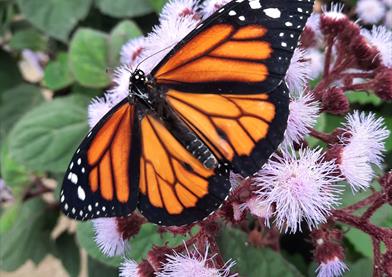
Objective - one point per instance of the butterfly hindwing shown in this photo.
(101, 180)
(175, 188)
(242, 129)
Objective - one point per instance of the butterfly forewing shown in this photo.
(101, 180)
(244, 48)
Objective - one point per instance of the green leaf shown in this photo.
(363, 268)
(140, 244)
(57, 73)
(15, 175)
(363, 98)
(149, 236)
(89, 54)
(251, 261)
(388, 123)
(16, 102)
(29, 38)
(29, 237)
(360, 240)
(157, 4)
(124, 8)
(45, 138)
(55, 17)
(9, 72)
(121, 34)
(88, 92)
(97, 269)
(66, 249)
(9, 217)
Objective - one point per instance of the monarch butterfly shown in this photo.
(217, 102)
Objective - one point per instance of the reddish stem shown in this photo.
(379, 233)
(358, 87)
(328, 56)
(327, 138)
(378, 202)
(215, 249)
(377, 267)
(36, 189)
(362, 75)
(363, 203)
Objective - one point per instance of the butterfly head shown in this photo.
(138, 78)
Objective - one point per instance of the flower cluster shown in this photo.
(299, 187)
(375, 11)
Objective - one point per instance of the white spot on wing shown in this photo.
(81, 193)
(74, 178)
(255, 4)
(272, 12)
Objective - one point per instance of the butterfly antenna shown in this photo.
(152, 55)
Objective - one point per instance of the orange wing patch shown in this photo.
(230, 124)
(220, 53)
(109, 175)
(170, 176)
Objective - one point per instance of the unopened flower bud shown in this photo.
(383, 83)
(335, 102)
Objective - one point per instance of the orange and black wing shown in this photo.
(175, 187)
(225, 80)
(101, 180)
(241, 129)
(244, 48)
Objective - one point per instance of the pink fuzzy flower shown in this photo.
(133, 52)
(129, 268)
(370, 11)
(179, 9)
(211, 6)
(304, 111)
(298, 73)
(332, 268)
(109, 238)
(256, 208)
(302, 186)
(363, 139)
(380, 38)
(193, 264)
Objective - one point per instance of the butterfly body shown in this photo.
(217, 102)
(148, 99)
